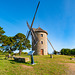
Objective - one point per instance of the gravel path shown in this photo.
(71, 68)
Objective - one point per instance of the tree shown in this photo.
(55, 52)
(72, 51)
(1, 34)
(62, 51)
(65, 51)
(21, 43)
(1, 51)
(4, 39)
(8, 43)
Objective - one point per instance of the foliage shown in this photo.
(1, 52)
(8, 43)
(21, 42)
(22, 52)
(4, 39)
(5, 53)
(25, 53)
(15, 53)
(1, 32)
(55, 52)
(67, 51)
(73, 51)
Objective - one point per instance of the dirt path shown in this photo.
(25, 66)
(71, 67)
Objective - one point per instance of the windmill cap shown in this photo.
(40, 30)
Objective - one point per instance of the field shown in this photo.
(59, 65)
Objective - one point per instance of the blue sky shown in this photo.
(57, 17)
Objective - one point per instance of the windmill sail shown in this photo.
(33, 20)
(34, 36)
(50, 44)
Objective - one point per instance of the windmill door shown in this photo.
(42, 52)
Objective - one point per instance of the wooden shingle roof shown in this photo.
(40, 30)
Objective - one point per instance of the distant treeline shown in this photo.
(12, 53)
(67, 51)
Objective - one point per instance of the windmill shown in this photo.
(34, 36)
(36, 39)
(50, 44)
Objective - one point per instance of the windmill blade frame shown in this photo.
(34, 36)
(35, 14)
(50, 44)
(32, 31)
(33, 20)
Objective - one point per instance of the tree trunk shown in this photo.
(19, 52)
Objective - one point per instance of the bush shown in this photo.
(22, 52)
(16, 54)
(73, 51)
(25, 53)
(67, 51)
(55, 52)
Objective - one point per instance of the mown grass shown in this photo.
(44, 66)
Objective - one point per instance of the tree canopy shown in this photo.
(1, 34)
(8, 43)
(21, 42)
(17, 42)
(1, 31)
(67, 51)
(55, 52)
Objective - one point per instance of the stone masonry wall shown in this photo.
(40, 46)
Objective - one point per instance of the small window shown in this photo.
(41, 35)
(41, 42)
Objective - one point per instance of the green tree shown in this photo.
(1, 34)
(21, 42)
(1, 51)
(62, 51)
(65, 51)
(8, 43)
(55, 52)
(72, 51)
(4, 39)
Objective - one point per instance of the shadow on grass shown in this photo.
(1, 59)
(13, 62)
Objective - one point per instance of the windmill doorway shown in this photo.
(42, 52)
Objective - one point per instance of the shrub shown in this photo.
(67, 51)
(55, 52)
(25, 53)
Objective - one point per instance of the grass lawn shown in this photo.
(45, 66)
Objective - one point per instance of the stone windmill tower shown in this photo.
(41, 46)
(39, 38)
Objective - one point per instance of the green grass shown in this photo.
(44, 66)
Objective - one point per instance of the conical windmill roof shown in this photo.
(40, 30)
